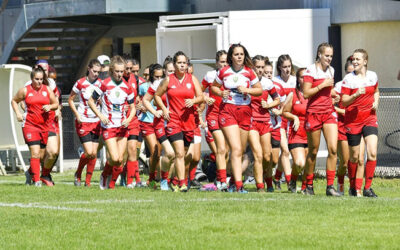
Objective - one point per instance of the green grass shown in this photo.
(145, 219)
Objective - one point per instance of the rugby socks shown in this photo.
(330, 177)
(89, 170)
(174, 181)
(294, 177)
(164, 175)
(137, 175)
(222, 175)
(303, 184)
(239, 185)
(35, 169)
(310, 179)
(358, 183)
(340, 179)
(107, 170)
(268, 180)
(192, 173)
(369, 173)
(130, 171)
(213, 158)
(260, 186)
(278, 175)
(288, 178)
(352, 170)
(116, 171)
(152, 176)
(82, 163)
(182, 182)
(46, 171)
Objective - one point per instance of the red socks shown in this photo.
(278, 175)
(35, 169)
(358, 183)
(309, 179)
(116, 170)
(152, 176)
(330, 177)
(181, 182)
(221, 175)
(369, 173)
(239, 185)
(82, 163)
(340, 179)
(294, 177)
(137, 175)
(352, 170)
(303, 184)
(260, 186)
(164, 175)
(89, 170)
(268, 180)
(288, 178)
(130, 171)
(192, 173)
(46, 171)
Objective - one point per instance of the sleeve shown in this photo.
(131, 96)
(308, 76)
(346, 90)
(98, 91)
(376, 81)
(205, 83)
(338, 87)
(151, 91)
(253, 77)
(219, 77)
(273, 93)
(141, 90)
(76, 88)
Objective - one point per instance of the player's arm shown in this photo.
(162, 88)
(18, 97)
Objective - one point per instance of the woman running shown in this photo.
(87, 124)
(115, 94)
(214, 101)
(239, 82)
(295, 111)
(361, 99)
(260, 132)
(321, 115)
(39, 99)
(157, 73)
(183, 92)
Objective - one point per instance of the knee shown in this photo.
(236, 152)
(267, 157)
(300, 163)
(115, 160)
(258, 156)
(313, 153)
(332, 151)
(372, 155)
(179, 155)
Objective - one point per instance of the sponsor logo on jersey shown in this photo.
(334, 115)
(160, 130)
(348, 129)
(44, 93)
(235, 78)
(117, 94)
(30, 94)
(297, 102)
(308, 125)
(105, 134)
(29, 136)
(188, 85)
(222, 120)
(81, 131)
(213, 122)
(173, 87)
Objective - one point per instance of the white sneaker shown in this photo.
(340, 188)
(131, 186)
(103, 183)
(38, 184)
(359, 194)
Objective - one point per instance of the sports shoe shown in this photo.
(292, 186)
(369, 193)
(232, 188)
(331, 191)
(28, 177)
(77, 181)
(140, 184)
(194, 184)
(260, 190)
(183, 188)
(153, 184)
(37, 184)
(223, 187)
(47, 180)
(103, 183)
(164, 185)
(340, 188)
(303, 191)
(122, 181)
(352, 192)
(87, 184)
(358, 193)
(270, 189)
(277, 185)
(242, 191)
(174, 188)
(309, 190)
(130, 186)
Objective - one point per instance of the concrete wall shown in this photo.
(382, 41)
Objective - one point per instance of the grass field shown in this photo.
(71, 217)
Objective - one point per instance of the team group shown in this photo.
(246, 106)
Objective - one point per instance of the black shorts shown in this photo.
(275, 143)
(31, 143)
(52, 133)
(138, 138)
(162, 139)
(180, 136)
(90, 137)
(297, 145)
(355, 140)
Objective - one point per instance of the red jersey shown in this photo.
(338, 90)
(34, 116)
(177, 92)
(207, 82)
(360, 111)
(85, 89)
(299, 105)
(257, 111)
(276, 120)
(289, 86)
(231, 80)
(114, 101)
(152, 91)
(321, 102)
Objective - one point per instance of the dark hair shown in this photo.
(321, 49)
(258, 58)
(297, 81)
(177, 54)
(346, 65)
(219, 54)
(52, 70)
(247, 59)
(364, 52)
(267, 62)
(167, 61)
(281, 60)
(92, 63)
(39, 69)
(152, 69)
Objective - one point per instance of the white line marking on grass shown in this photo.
(105, 201)
(36, 205)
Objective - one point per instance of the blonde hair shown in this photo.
(116, 60)
(364, 52)
(321, 49)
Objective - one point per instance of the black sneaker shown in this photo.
(331, 191)
(277, 185)
(352, 192)
(309, 190)
(194, 184)
(292, 186)
(369, 193)
(270, 189)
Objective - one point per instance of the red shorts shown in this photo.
(315, 121)
(197, 135)
(209, 137)
(35, 135)
(230, 114)
(109, 133)
(276, 134)
(356, 128)
(341, 132)
(262, 127)
(147, 128)
(53, 127)
(299, 136)
(175, 127)
(159, 127)
(212, 122)
(85, 128)
(134, 127)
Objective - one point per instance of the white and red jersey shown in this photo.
(289, 86)
(177, 92)
(84, 89)
(207, 82)
(152, 91)
(257, 111)
(115, 99)
(34, 116)
(338, 90)
(276, 120)
(231, 80)
(360, 111)
(321, 102)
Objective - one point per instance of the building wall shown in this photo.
(382, 42)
